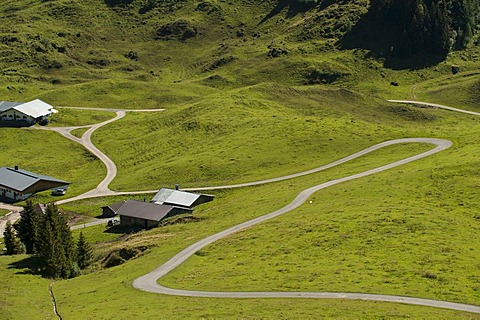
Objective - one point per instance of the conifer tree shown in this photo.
(84, 252)
(56, 248)
(9, 238)
(427, 26)
(28, 227)
(12, 244)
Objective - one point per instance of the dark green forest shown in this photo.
(405, 28)
(413, 27)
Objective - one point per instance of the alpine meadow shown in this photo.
(338, 138)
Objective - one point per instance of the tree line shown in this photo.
(428, 26)
(48, 237)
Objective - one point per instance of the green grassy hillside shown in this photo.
(146, 54)
(252, 90)
(50, 154)
(462, 91)
(249, 134)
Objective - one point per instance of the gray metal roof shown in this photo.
(162, 195)
(144, 210)
(6, 105)
(114, 207)
(175, 197)
(35, 108)
(20, 179)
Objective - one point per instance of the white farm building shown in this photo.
(16, 114)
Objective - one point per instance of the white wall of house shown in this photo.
(14, 115)
(7, 193)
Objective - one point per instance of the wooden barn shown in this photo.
(146, 215)
(111, 210)
(18, 184)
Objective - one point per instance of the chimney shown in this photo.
(16, 167)
(177, 187)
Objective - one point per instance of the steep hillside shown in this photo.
(127, 36)
(105, 52)
(252, 90)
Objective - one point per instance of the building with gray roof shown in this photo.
(18, 184)
(180, 198)
(111, 210)
(16, 114)
(145, 214)
(6, 105)
(166, 203)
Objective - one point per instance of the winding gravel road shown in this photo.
(12, 216)
(102, 189)
(435, 105)
(149, 283)
(86, 140)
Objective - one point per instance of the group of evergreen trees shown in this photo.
(48, 236)
(12, 244)
(427, 26)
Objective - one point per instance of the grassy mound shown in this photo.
(250, 134)
(461, 91)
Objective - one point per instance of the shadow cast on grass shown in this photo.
(29, 265)
(384, 41)
(182, 219)
(119, 229)
(294, 8)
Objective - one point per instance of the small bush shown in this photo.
(98, 62)
(317, 76)
(113, 259)
(8, 39)
(46, 63)
(120, 256)
(115, 3)
(429, 275)
(149, 6)
(132, 55)
(276, 52)
(200, 253)
(178, 30)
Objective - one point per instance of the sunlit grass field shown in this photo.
(233, 114)
(460, 91)
(338, 242)
(67, 117)
(49, 153)
(347, 238)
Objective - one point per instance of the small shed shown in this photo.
(111, 210)
(180, 198)
(40, 208)
(146, 215)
